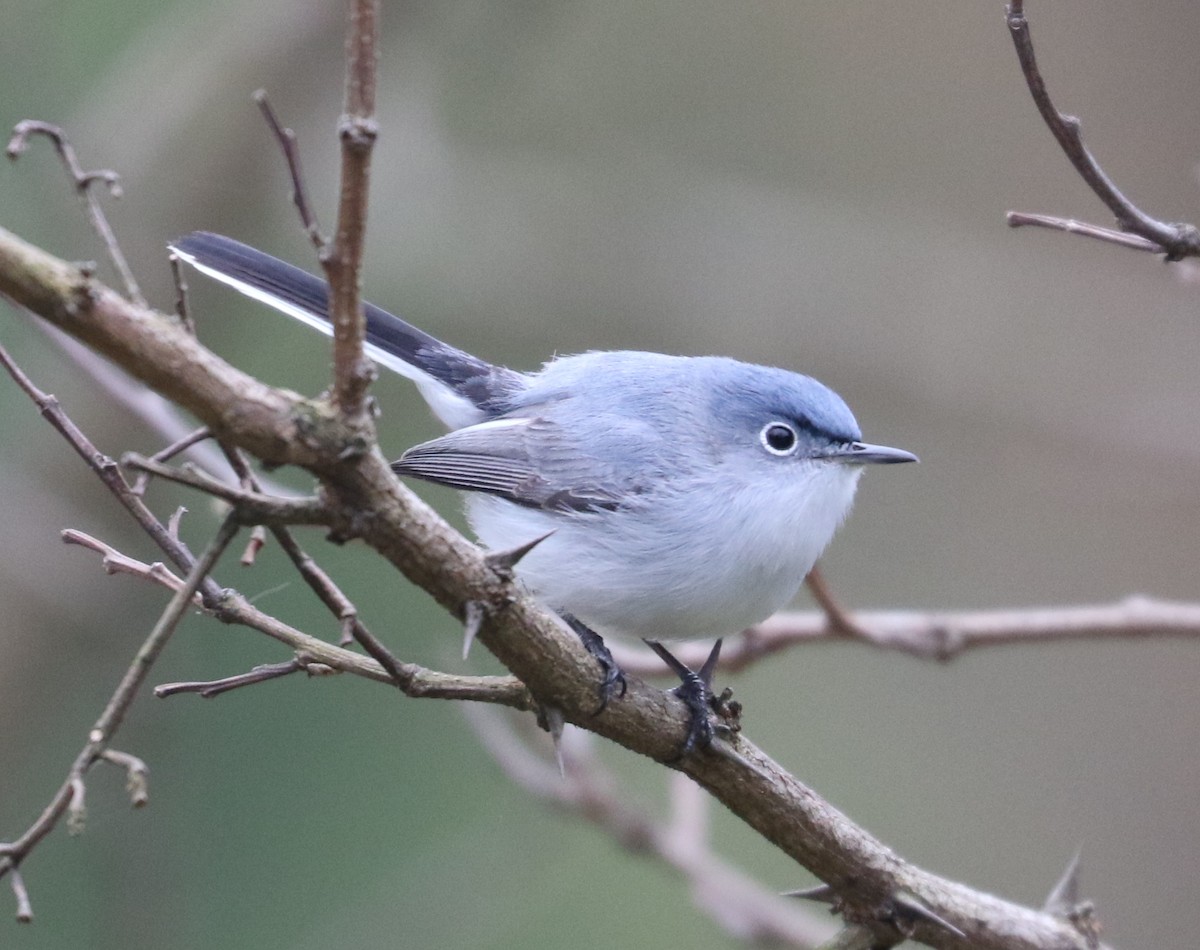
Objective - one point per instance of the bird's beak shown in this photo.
(863, 453)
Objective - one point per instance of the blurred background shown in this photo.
(817, 186)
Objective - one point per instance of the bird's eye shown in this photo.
(778, 438)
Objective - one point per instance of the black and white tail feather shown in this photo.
(461, 389)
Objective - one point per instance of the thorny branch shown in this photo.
(1176, 241)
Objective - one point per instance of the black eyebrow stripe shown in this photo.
(805, 423)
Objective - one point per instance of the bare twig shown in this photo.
(340, 606)
(939, 636)
(165, 455)
(416, 681)
(114, 562)
(231, 607)
(252, 507)
(286, 138)
(182, 310)
(323, 586)
(1018, 219)
(83, 181)
(260, 674)
(70, 795)
(1177, 241)
(24, 908)
(342, 258)
(839, 621)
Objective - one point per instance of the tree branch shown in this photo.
(366, 501)
(70, 794)
(342, 259)
(83, 180)
(416, 681)
(1177, 241)
(940, 636)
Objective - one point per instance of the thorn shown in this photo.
(502, 562)
(555, 724)
(913, 907)
(473, 614)
(669, 658)
(710, 665)
(821, 893)
(1064, 896)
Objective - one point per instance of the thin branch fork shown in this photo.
(1176, 241)
(84, 180)
(252, 507)
(415, 681)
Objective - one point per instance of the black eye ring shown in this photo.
(778, 438)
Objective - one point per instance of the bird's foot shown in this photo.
(612, 679)
(695, 689)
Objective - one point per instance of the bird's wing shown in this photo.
(530, 461)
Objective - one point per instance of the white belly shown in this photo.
(706, 566)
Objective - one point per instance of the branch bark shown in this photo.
(352, 371)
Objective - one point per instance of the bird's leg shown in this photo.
(612, 682)
(695, 689)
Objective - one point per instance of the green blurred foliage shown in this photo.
(820, 186)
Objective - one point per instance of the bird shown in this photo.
(675, 496)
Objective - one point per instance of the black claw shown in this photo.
(695, 689)
(612, 679)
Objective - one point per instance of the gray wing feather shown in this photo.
(528, 461)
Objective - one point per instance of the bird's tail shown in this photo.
(460, 388)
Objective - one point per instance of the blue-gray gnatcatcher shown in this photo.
(686, 496)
